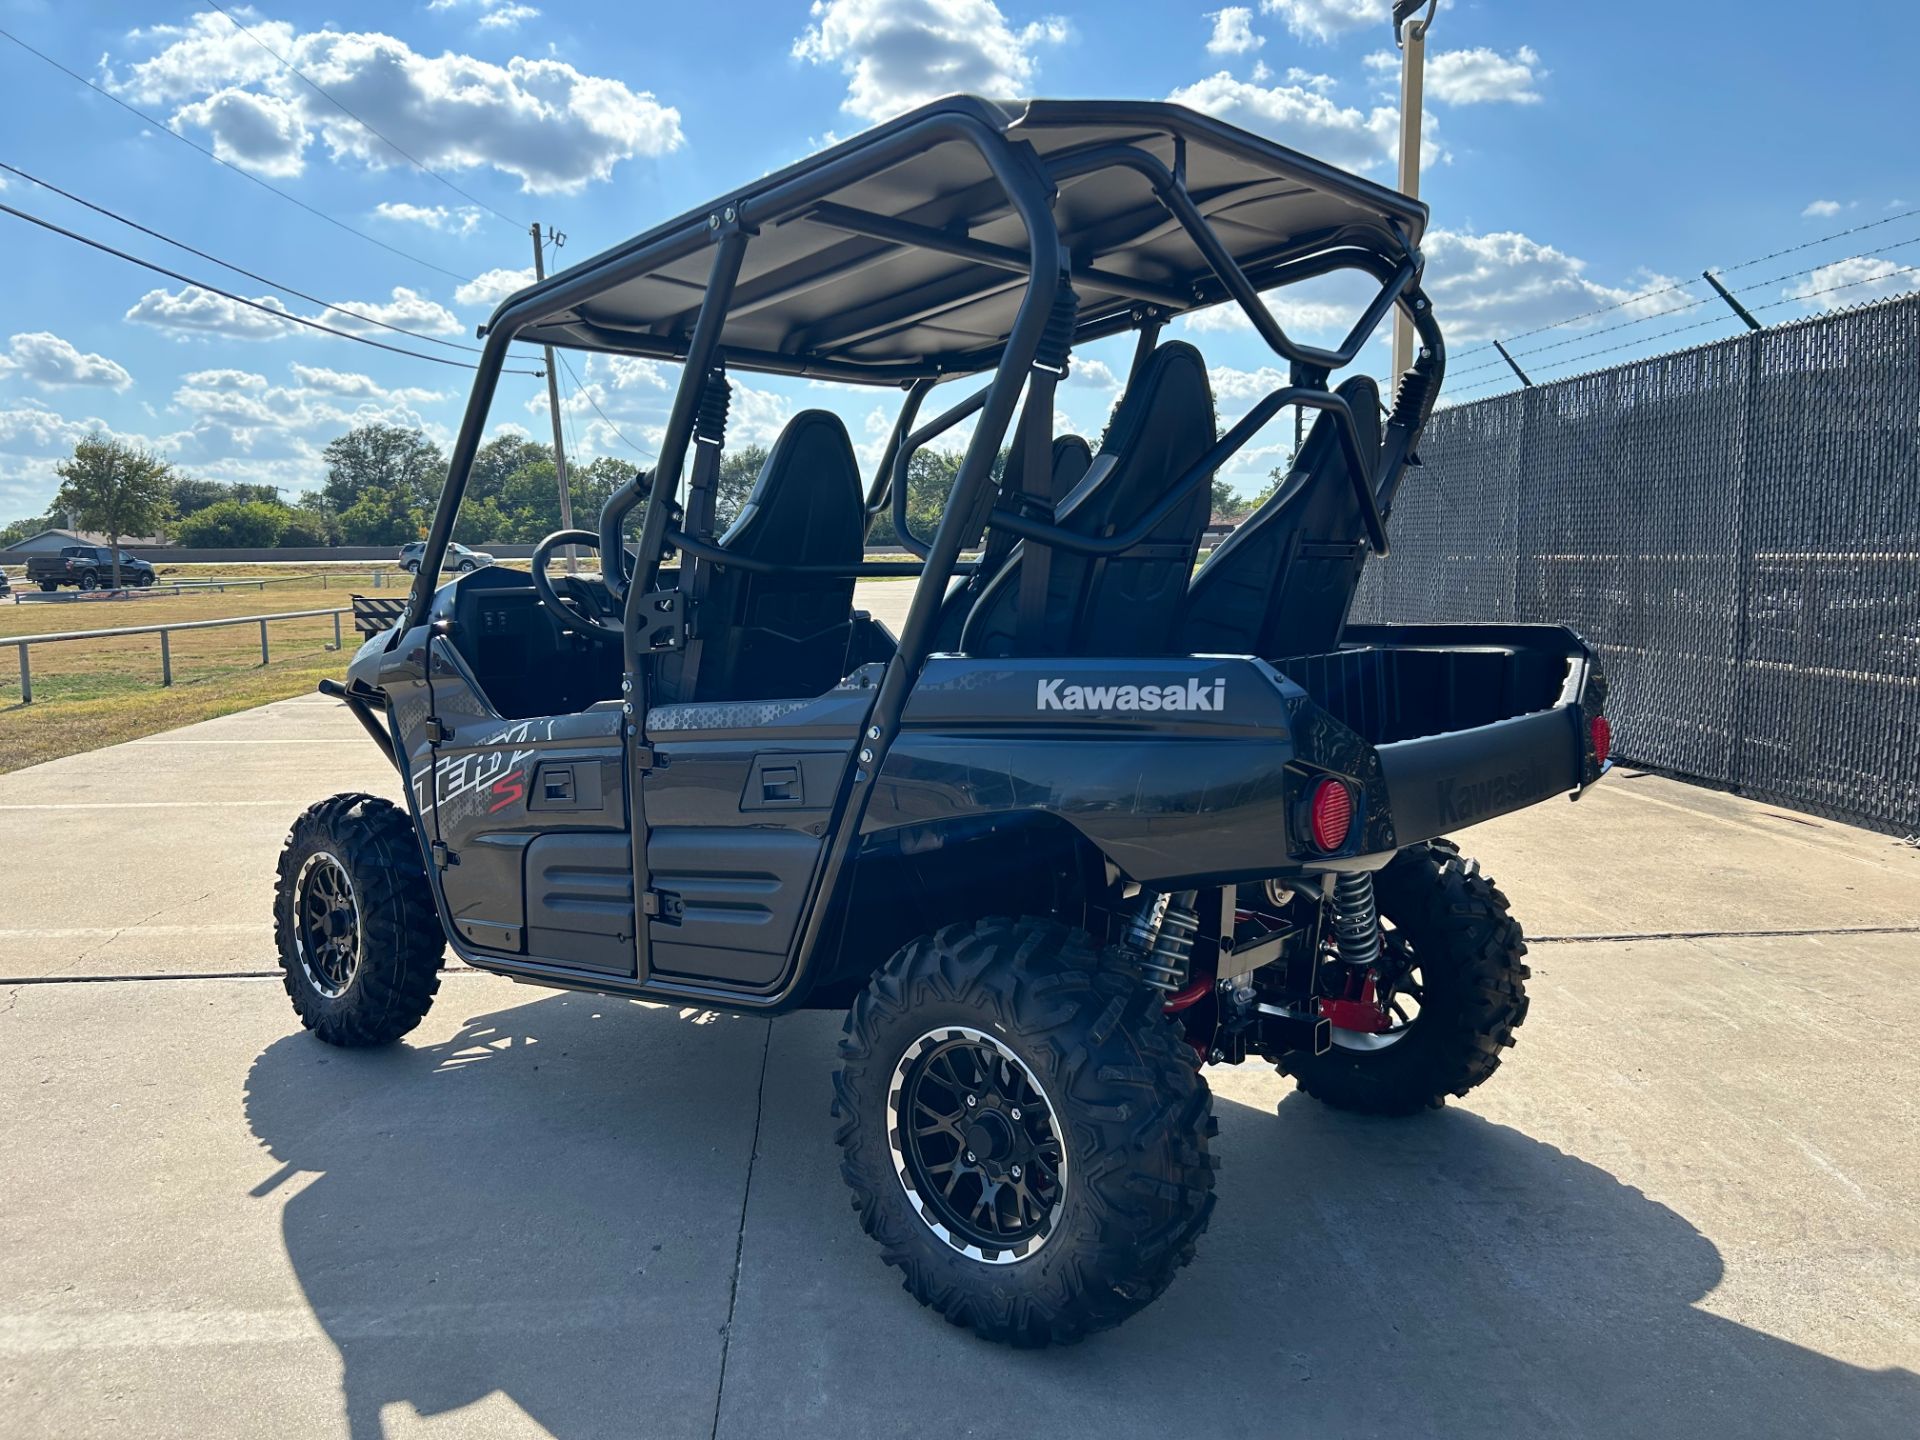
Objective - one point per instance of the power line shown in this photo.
(166, 129)
(229, 265)
(567, 365)
(240, 299)
(315, 86)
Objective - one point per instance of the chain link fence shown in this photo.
(1736, 529)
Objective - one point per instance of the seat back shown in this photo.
(1126, 604)
(1281, 584)
(1071, 457)
(780, 635)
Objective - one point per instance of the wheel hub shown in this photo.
(326, 924)
(976, 1145)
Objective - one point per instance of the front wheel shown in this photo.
(353, 917)
(1023, 1129)
(144, 580)
(1433, 1019)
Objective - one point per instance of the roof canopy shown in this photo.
(915, 264)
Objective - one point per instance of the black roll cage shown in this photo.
(1029, 183)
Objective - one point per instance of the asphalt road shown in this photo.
(1685, 1207)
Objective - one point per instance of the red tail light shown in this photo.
(1332, 814)
(1601, 733)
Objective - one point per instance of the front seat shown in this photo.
(1126, 604)
(780, 635)
(1280, 585)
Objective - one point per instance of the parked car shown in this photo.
(459, 557)
(88, 566)
(5, 587)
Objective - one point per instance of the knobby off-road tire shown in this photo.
(354, 920)
(1126, 1102)
(1469, 949)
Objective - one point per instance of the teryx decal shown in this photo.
(1193, 695)
(488, 773)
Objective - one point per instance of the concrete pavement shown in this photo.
(1684, 1207)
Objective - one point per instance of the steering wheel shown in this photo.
(588, 605)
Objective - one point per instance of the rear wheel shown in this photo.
(47, 587)
(353, 917)
(1434, 1018)
(89, 580)
(1023, 1129)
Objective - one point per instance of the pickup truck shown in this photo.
(88, 566)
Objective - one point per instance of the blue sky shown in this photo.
(1579, 156)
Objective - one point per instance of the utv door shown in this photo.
(534, 854)
(739, 798)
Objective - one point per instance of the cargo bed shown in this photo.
(1470, 721)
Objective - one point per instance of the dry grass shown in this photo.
(89, 693)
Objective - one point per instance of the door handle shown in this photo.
(780, 785)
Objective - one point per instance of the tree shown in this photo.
(306, 529)
(115, 488)
(19, 530)
(382, 516)
(1226, 504)
(391, 459)
(236, 525)
(739, 469)
(190, 496)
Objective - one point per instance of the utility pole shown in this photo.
(553, 403)
(1411, 36)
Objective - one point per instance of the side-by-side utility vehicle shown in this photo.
(1100, 815)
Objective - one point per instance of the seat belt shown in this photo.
(1033, 495)
(709, 442)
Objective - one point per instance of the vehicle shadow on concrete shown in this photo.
(546, 1205)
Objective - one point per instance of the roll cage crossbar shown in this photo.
(1029, 185)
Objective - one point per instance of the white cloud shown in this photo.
(900, 53)
(262, 132)
(1307, 120)
(493, 286)
(50, 362)
(633, 372)
(550, 126)
(1853, 280)
(457, 220)
(1306, 79)
(193, 311)
(756, 417)
(1325, 19)
(1233, 32)
(1822, 209)
(405, 308)
(240, 409)
(1498, 284)
(354, 386)
(506, 17)
(493, 14)
(1092, 374)
(1481, 76)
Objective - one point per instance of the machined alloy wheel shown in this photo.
(354, 922)
(1023, 1129)
(976, 1145)
(327, 930)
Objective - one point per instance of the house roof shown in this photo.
(47, 539)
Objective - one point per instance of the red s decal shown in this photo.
(509, 789)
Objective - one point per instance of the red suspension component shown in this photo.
(1360, 1012)
(1189, 994)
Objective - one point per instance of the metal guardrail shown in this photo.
(24, 643)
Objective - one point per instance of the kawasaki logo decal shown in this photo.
(1193, 695)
